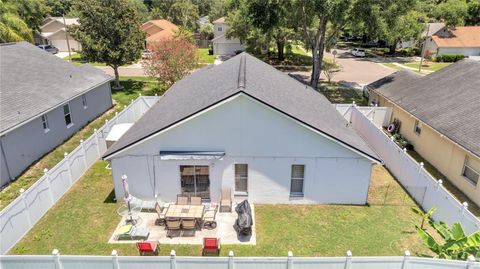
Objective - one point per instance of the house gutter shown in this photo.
(435, 130)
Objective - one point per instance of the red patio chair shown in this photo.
(147, 248)
(211, 245)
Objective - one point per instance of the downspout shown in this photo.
(5, 158)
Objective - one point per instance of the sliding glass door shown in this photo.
(195, 180)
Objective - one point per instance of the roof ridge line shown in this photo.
(242, 72)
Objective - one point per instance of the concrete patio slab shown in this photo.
(224, 231)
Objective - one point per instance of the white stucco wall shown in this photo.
(248, 132)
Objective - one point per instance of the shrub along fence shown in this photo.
(22, 213)
(427, 191)
(173, 262)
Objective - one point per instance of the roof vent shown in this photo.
(242, 71)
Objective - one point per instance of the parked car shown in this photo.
(48, 48)
(352, 38)
(358, 52)
(371, 44)
(146, 54)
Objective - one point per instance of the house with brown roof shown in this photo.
(459, 40)
(157, 30)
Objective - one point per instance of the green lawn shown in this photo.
(76, 59)
(84, 219)
(432, 66)
(204, 58)
(133, 86)
(342, 95)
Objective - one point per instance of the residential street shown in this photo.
(355, 71)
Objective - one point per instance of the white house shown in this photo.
(221, 44)
(458, 40)
(246, 126)
(54, 32)
(44, 101)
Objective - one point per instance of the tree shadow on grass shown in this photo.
(110, 199)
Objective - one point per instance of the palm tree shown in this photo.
(12, 27)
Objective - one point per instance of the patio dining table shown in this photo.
(184, 211)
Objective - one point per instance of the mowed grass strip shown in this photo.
(85, 218)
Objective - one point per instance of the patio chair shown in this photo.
(147, 248)
(182, 200)
(143, 204)
(209, 218)
(195, 200)
(189, 225)
(226, 200)
(211, 245)
(161, 215)
(130, 232)
(173, 227)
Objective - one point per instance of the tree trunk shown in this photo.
(317, 53)
(280, 47)
(117, 85)
(392, 47)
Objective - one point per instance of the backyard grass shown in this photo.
(204, 58)
(337, 94)
(446, 183)
(84, 219)
(132, 87)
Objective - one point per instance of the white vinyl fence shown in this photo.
(427, 191)
(56, 261)
(21, 214)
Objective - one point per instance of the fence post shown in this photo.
(115, 263)
(470, 262)
(84, 154)
(56, 259)
(47, 178)
(406, 257)
(464, 208)
(173, 262)
(420, 168)
(439, 184)
(69, 168)
(116, 117)
(24, 199)
(290, 260)
(230, 259)
(97, 141)
(348, 260)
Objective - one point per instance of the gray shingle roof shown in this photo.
(243, 74)
(33, 81)
(447, 100)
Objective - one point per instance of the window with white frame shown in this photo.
(45, 123)
(84, 101)
(298, 176)
(241, 178)
(67, 115)
(418, 127)
(469, 173)
(219, 28)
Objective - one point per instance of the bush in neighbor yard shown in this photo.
(171, 59)
(449, 58)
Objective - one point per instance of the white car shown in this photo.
(358, 52)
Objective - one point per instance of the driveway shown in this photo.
(356, 72)
(134, 70)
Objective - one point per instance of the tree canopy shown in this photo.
(12, 27)
(109, 31)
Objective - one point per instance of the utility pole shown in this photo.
(66, 36)
(423, 48)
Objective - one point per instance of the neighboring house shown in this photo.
(156, 30)
(440, 115)
(44, 101)
(54, 32)
(459, 40)
(245, 126)
(430, 29)
(221, 44)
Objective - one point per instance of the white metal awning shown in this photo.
(191, 155)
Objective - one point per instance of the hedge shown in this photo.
(449, 58)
